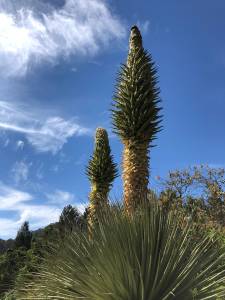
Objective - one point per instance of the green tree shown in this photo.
(169, 200)
(69, 219)
(101, 172)
(136, 119)
(24, 237)
(202, 190)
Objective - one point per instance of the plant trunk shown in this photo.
(98, 202)
(135, 175)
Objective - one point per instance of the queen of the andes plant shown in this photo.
(136, 119)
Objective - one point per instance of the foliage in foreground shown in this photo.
(149, 257)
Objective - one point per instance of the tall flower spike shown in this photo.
(101, 172)
(136, 119)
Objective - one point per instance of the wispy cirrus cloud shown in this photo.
(60, 197)
(20, 171)
(32, 33)
(44, 133)
(20, 144)
(144, 26)
(10, 198)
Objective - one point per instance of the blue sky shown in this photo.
(58, 63)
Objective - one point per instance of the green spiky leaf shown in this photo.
(101, 169)
(135, 112)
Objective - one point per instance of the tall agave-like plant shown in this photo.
(101, 172)
(149, 257)
(135, 117)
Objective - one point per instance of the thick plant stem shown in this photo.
(98, 202)
(135, 175)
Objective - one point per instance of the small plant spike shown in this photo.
(101, 172)
(136, 119)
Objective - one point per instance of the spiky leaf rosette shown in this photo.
(151, 256)
(136, 118)
(101, 172)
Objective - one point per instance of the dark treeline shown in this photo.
(21, 256)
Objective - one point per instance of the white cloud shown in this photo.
(6, 143)
(55, 168)
(40, 171)
(44, 133)
(39, 215)
(20, 171)
(22, 205)
(20, 145)
(60, 197)
(8, 228)
(144, 26)
(57, 130)
(74, 69)
(37, 33)
(81, 207)
(11, 199)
